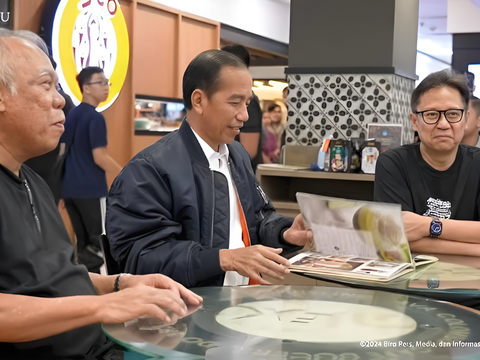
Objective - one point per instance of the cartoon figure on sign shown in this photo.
(90, 33)
(93, 40)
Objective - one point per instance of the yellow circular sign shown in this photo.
(90, 33)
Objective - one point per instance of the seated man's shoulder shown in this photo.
(471, 152)
(168, 147)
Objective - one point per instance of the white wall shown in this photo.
(427, 65)
(268, 18)
(463, 16)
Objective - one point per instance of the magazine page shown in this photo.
(357, 267)
(365, 229)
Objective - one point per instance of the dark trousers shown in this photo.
(86, 217)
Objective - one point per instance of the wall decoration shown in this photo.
(342, 105)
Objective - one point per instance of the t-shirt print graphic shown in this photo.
(438, 208)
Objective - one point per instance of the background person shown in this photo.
(277, 125)
(472, 125)
(84, 186)
(270, 148)
(250, 133)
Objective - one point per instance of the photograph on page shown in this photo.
(355, 228)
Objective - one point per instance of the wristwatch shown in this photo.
(433, 283)
(435, 227)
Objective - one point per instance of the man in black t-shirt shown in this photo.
(50, 307)
(437, 181)
(251, 130)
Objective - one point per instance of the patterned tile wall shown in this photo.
(342, 105)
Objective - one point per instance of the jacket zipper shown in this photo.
(30, 199)
(260, 190)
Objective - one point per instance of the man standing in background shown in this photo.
(250, 132)
(472, 125)
(84, 186)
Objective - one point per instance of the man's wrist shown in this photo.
(436, 227)
(225, 259)
(119, 282)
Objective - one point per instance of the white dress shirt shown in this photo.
(218, 161)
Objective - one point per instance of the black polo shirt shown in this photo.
(37, 259)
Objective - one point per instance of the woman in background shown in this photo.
(276, 126)
(270, 148)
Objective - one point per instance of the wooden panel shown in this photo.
(140, 142)
(27, 14)
(154, 53)
(195, 36)
(119, 116)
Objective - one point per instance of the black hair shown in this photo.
(273, 106)
(203, 73)
(475, 104)
(239, 51)
(444, 78)
(86, 75)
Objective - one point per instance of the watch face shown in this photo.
(436, 227)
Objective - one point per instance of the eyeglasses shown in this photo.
(431, 117)
(103, 83)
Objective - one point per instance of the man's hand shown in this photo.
(139, 301)
(298, 234)
(255, 260)
(160, 282)
(416, 226)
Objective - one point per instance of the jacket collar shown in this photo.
(193, 146)
(191, 143)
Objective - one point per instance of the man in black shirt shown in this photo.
(437, 181)
(251, 130)
(49, 306)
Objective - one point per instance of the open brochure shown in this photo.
(355, 239)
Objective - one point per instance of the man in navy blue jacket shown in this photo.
(189, 206)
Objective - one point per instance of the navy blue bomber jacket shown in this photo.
(168, 213)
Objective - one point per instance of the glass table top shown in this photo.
(453, 278)
(308, 322)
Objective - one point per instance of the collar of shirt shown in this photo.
(213, 156)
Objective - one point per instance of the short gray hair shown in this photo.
(8, 78)
(33, 38)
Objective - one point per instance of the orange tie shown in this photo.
(245, 234)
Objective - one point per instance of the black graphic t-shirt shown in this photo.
(403, 177)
